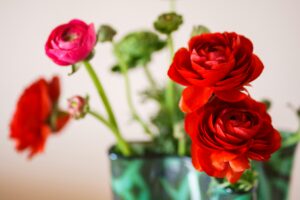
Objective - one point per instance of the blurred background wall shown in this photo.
(75, 164)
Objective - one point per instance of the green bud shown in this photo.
(198, 30)
(168, 22)
(136, 48)
(106, 33)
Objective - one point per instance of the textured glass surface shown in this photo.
(163, 178)
(275, 175)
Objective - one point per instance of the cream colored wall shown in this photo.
(75, 165)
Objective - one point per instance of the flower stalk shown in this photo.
(134, 112)
(100, 118)
(171, 104)
(181, 146)
(150, 78)
(112, 123)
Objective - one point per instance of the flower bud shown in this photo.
(168, 22)
(106, 33)
(78, 107)
(198, 30)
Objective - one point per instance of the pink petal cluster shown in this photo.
(70, 43)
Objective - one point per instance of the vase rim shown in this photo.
(113, 155)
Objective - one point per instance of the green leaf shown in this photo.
(136, 49)
(106, 33)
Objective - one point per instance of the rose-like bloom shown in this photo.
(219, 63)
(77, 107)
(37, 116)
(226, 135)
(70, 43)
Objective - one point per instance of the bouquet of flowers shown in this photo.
(217, 123)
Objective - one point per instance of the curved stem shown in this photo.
(122, 144)
(101, 92)
(150, 78)
(130, 102)
(100, 118)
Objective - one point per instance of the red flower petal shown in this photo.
(239, 164)
(54, 89)
(194, 97)
(195, 157)
(181, 62)
(30, 126)
(230, 95)
(233, 176)
(61, 121)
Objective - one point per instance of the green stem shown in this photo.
(130, 102)
(170, 102)
(170, 97)
(170, 45)
(100, 118)
(101, 92)
(181, 146)
(150, 78)
(122, 144)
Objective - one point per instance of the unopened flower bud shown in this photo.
(78, 107)
(168, 22)
(106, 33)
(198, 30)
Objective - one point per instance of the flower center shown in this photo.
(209, 58)
(68, 37)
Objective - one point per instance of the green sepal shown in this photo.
(268, 103)
(106, 33)
(74, 68)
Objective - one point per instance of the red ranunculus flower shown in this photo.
(225, 135)
(70, 43)
(219, 63)
(37, 115)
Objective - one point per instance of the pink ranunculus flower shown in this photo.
(70, 43)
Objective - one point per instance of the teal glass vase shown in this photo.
(160, 177)
(275, 175)
(163, 177)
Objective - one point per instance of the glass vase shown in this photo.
(163, 177)
(275, 175)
